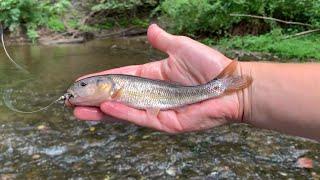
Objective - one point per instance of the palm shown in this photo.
(189, 63)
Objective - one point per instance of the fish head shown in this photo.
(90, 91)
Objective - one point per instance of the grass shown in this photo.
(124, 22)
(302, 48)
(56, 24)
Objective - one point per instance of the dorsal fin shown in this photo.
(229, 70)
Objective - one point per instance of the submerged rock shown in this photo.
(171, 171)
(305, 162)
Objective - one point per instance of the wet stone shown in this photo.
(305, 162)
(42, 127)
(7, 176)
(171, 171)
(36, 156)
(92, 129)
(283, 174)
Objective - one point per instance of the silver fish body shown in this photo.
(144, 93)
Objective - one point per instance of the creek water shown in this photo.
(54, 144)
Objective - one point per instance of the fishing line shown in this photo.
(5, 50)
(7, 96)
(7, 93)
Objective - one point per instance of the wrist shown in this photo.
(245, 95)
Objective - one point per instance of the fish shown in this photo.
(150, 94)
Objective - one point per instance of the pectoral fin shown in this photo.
(116, 94)
(153, 111)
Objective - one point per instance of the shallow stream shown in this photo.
(56, 145)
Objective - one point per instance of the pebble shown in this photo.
(283, 174)
(171, 171)
(92, 129)
(130, 137)
(315, 176)
(36, 156)
(146, 136)
(305, 162)
(42, 127)
(7, 176)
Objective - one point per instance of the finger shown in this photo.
(159, 38)
(152, 70)
(212, 113)
(88, 113)
(124, 112)
(133, 115)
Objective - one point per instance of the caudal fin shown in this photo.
(228, 71)
(233, 83)
(236, 83)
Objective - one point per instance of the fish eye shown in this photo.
(83, 84)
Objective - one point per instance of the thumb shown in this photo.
(159, 38)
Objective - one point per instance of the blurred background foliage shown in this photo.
(213, 16)
(32, 14)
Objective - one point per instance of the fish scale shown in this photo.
(146, 93)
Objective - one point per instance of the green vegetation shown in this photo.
(55, 24)
(213, 16)
(107, 15)
(32, 14)
(122, 22)
(276, 43)
(124, 6)
(211, 19)
(123, 13)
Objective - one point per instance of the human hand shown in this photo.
(189, 63)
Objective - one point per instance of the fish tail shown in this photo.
(236, 83)
(232, 82)
(228, 71)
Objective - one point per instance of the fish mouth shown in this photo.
(69, 95)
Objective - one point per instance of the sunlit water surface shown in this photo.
(54, 144)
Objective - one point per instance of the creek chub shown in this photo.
(144, 93)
